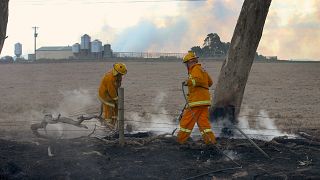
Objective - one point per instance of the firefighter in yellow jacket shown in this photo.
(199, 100)
(108, 92)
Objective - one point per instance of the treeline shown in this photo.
(214, 47)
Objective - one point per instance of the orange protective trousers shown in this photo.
(110, 114)
(199, 114)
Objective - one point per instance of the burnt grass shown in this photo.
(162, 158)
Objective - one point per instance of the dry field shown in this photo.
(289, 93)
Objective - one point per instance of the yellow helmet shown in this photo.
(119, 68)
(189, 56)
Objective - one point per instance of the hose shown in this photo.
(101, 110)
(185, 105)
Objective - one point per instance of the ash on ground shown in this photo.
(157, 158)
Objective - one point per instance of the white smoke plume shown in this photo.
(74, 103)
(289, 25)
(77, 101)
(176, 32)
(155, 119)
(263, 127)
(259, 126)
(16, 124)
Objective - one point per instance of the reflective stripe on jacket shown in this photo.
(108, 90)
(198, 84)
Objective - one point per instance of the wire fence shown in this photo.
(145, 118)
(144, 113)
(168, 126)
(86, 111)
(82, 111)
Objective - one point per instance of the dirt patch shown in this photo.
(163, 158)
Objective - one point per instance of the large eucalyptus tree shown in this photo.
(4, 4)
(237, 65)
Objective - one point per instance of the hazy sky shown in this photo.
(292, 29)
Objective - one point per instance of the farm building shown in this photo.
(55, 52)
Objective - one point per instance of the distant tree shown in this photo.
(226, 47)
(273, 58)
(6, 59)
(259, 57)
(213, 47)
(3, 21)
(197, 50)
(212, 39)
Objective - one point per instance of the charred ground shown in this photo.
(157, 158)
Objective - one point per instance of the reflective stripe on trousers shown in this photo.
(197, 103)
(190, 117)
(185, 130)
(205, 131)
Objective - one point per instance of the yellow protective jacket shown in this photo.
(198, 84)
(108, 94)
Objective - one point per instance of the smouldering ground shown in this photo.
(287, 92)
(163, 158)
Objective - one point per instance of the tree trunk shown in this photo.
(3, 21)
(236, 67)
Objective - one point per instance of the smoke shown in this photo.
(261, 127)
(146, 36)
(289, 25)
(177, 32)
(17, 126)
(172, 26)
(74, 103)
(55, 131)
(155, 119)
(292, 25)
(77, 101)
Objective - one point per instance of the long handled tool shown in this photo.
(253, 143)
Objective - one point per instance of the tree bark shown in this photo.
(3, 21)
(237, 65)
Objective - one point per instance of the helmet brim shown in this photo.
(191, 59)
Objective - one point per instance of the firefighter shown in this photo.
(108, 92)
(198, 101)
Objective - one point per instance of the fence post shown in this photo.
(121, 115)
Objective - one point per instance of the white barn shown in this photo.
(55, 52)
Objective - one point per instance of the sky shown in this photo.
(292, 28)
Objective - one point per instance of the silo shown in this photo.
(96, 46)
(18, 49)
(85, 42)
(76, 48)
(107, 51)
(96, 49)
(107, 47)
